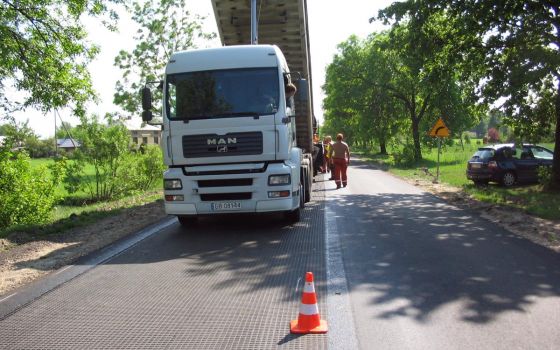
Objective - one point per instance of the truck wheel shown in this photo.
(187, 220)
(301, 197)
(293, 216)
(306, 187)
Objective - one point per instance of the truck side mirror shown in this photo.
(147, 116)
(302, 90)
(146, 104)
(146, 98)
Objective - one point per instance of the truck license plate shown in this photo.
(223, 206)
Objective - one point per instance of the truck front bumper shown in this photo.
(208, 194)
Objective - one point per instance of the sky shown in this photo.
(330, 23)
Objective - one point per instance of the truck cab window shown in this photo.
(222, 93)
(172, 98)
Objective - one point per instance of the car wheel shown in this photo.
(508, 179)
(187, 220)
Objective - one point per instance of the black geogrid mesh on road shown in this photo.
(228, 284)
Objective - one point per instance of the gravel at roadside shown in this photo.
(23, 263)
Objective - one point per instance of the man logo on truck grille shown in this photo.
(222, 141)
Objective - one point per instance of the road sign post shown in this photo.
(438, 153)
(439, 130)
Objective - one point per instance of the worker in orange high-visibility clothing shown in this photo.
(340, 155)
(327, 144)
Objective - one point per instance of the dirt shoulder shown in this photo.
(23, 263)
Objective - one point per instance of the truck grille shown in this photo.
(225, 196)
(225, 182)
(232, 144)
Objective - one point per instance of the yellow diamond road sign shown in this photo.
(439, 129)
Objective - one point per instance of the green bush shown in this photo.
(142, 169)
(545, 176)
(467, 138)
(105, 147)
(27, 195)
(404, 156)
(118, 171)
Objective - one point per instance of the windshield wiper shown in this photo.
(255, 115)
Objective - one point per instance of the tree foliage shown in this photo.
(399, 80)
(44, 52)
(511, 49)
(353, 94)
(17, 133)
(165, 26)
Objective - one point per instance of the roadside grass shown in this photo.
(78, 210)
(453, 159)
(61, 190)
(67, 217)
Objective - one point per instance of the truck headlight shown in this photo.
(278, 180)
(172, 184)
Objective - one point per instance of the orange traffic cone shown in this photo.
(308, 320)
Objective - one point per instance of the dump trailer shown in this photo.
(237, 135)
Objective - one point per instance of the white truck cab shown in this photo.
(229, 134)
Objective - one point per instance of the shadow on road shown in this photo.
(416, 254)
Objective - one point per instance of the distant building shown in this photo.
(141, 133)
(67, 145)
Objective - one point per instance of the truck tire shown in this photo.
(294, 216)
(306, 186)
(187, 220)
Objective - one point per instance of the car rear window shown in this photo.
(484, 154)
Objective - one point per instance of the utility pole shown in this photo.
(55, 140)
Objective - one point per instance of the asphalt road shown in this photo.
(395, 268)
(423, 274)
(232, 282)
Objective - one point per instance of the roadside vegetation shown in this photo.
(469, 63)
(101, 177)
(46, 62)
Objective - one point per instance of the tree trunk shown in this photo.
(382, 142)
(416, 138)
(556, 160)
(382, 148)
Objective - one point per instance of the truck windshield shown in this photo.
(222, 93)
